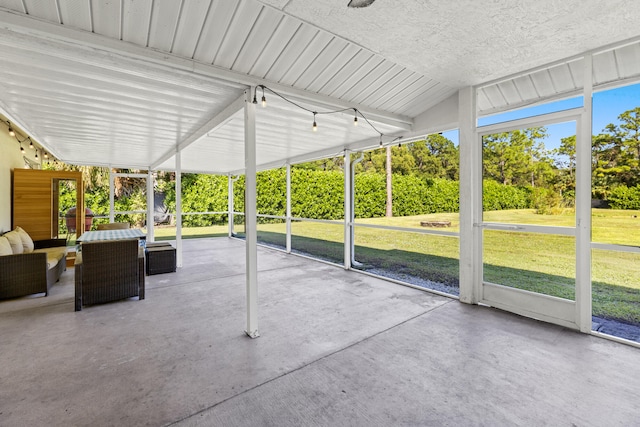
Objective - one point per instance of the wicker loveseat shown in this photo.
(29, 267)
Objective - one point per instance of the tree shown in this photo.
(436, 157)
(616, 154)
(517, 157)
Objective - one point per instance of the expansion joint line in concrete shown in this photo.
(326, 356)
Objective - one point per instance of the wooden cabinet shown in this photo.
(35, 201)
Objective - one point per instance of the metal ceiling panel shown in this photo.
(405, 96)
(387, 90)
(64, 90)
(304, 60)
(556, 81)
(237, 33)
(291, 50)
(283, 132)
(215, 27)
(16, 5)
(99, 115)
(43, 9)
(276, 43)
(334, 71)
(136, 20)
(321, 60)
(602, 70)
(107, 18)
(192, 18)
(628, 61)
(362, 83)
(265, 25)
(77, 15)
(164, 21)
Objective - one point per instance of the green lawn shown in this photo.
(535, 262)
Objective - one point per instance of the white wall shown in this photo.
(443, 116)
(10, 158)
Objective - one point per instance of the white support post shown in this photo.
(112, 196)
(230, 207)
(251, 242)
(288, 214)
(470, 199)
(348, 243)
(583, 204)
(150, 206)
(178, 209)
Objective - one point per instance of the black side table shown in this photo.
(161, 258)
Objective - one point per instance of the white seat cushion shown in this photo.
(15, 241)
(5, 246)
(27, 242)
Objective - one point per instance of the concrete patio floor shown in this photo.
(336, 348)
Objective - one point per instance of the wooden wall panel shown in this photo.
(32, 200)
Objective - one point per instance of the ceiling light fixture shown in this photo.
(360, 3)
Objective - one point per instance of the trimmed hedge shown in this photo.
(498, 196)
(623, 197)
(320, 194)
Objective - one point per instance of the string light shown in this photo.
(32, 146)
(315, 113)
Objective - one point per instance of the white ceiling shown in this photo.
(125, 83)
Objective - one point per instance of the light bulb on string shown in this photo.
(11, 131)
(31, 145)
(36, 154)
(21, 148)
(315, 125)
(46, 155)
(355, 118)
(264, 100)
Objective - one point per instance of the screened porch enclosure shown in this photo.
(234, 88)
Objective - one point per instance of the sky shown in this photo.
(607, 106)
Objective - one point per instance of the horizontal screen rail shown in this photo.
(408, 230)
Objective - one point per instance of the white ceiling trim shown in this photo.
(212, 125)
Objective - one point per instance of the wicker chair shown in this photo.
(114, 226)
(109, 270)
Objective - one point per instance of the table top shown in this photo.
(129, 233)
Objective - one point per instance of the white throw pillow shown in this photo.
(27, 242)
(15, 241)
(5, 246)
